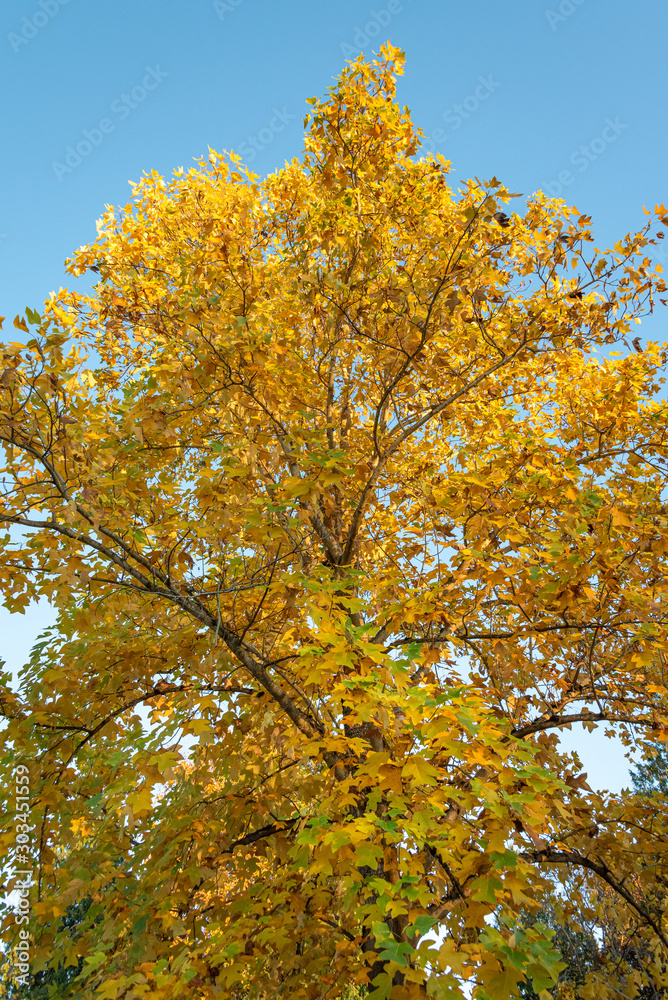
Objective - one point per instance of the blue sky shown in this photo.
(564, 95)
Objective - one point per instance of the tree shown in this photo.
(330, 477)
(598, 943)
(586, 945)
(650, 775)
(52, 982)
(576, 941)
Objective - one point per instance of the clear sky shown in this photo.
(564, 95)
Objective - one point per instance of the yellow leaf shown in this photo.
(420, 770)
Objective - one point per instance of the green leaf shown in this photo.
(423, 924)
(34, 317)
(486, 890)
(396, 951)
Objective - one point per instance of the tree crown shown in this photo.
(331, 474)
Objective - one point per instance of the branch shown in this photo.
(554, 721)
(549, 856)
(262, 833)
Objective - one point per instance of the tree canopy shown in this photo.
(349, 490)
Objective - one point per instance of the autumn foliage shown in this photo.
(349, 488)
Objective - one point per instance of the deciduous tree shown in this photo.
(338, 474)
